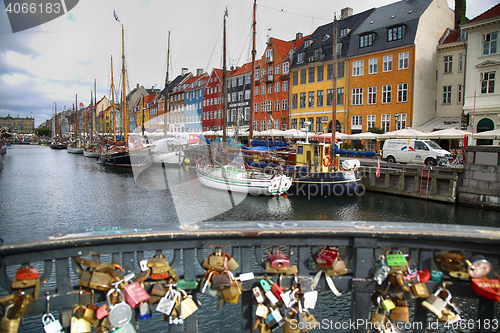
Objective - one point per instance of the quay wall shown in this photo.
(481, 177)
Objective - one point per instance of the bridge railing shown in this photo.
(360, 245)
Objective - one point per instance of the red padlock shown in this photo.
(102, 311)
(424, 275)
(135, 294)
(488, 288)
(327, 258)
(29, 273)
(278, 260)
(276, 290)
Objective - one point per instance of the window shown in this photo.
(262, 125)
(257, 74)
(311, 74)
(395, 33)
(402, 92)
(302, 100)
(248, 79)
(404, 59)
(269, 106)
(263, 106)
(356, 122)
(286, 68)
(263, 89)
(240, 81)
(276, 105)
(285, 86)
(357, 68)
(256, 107)
(372, 95)
(344, 32)
(256, 90)
(301, 122)
(310, 100)
(357, 96)
(321, 73)
(460, 93)
(461, 58)
(372, 66)
(490, 43)
(295, 78)
(340, 70)
(294, 101)
(284, 104)
(269, 55)
(277, 69)
(386, 123)
(446, 94)
(319, 98)
(401, 121)
(329, 72)
(277, 87)
(488, 83)
(386, 94)
(366, 40)
(319, 125)
(303, 74)
(370, 121)
(340, 96)
(317, 54)
(329, 97)
(269, 88)
(277, 124)
(270, 71)
(448, 64)
(247, 94)
(264, 72)
(294, 123)
(387, 63)
(300, 57)
(308, 43)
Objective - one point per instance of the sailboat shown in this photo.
(56, 142)
(91, 148)
(223, 170)
(119, 154)
(76, 147)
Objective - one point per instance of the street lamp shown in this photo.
(307, 124)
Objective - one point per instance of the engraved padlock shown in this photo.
(436, 304)
(401, 312)
(188, 306)
(119, 313)
(381, 271)
(278, 260)
(50, 324)
(327, 258)
(135, 294)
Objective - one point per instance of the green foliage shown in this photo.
(344, 145)
(43, 131)
(359, 145)
(376, 130)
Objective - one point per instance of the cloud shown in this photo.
(14, 79)
(144, 3)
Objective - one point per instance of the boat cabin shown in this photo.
(315, 156)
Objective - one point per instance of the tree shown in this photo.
(43, 131)
(376, 130)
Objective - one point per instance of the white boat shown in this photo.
(91, 153)
(75, 148)
(236, 178)
(161, 152)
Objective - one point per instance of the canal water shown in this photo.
(45, 190)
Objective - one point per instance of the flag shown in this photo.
(226, 13)
(65, 108)
(116, 16)
(81, 104)
(377, 173)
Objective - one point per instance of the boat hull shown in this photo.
(89, 153)
(58, 146)
(232, 180)
(334, 183)
(122, 159)
(74, 150)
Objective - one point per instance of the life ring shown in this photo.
(327, 160)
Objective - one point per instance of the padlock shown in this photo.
(327, 258)
(478, 266)
(307, 320)
(387, 304)
(10, 322)
(85, 278)
(135, 294)
(119, 313)
(276, 290)
(187, 284)
(215, 261)
(87, 262)
(378, 320)
(310, 299)
(90, 311)
(396, 259)
(27, 273)
(142, 276)
(23, 284)
(274, 319)
(267, 291)
(278, 260)
(263, 328)
(258, 294)
(102, 311)
(436, 304)
(168, 302)
(261, 310)
(231, 263)
(80, 325)
(449, 317)
(381, 271)
(232, 291)
(188, 305)
(100, 281)
(233, 299)
(158, 289)
(451, 261)
(401, 312)
(306, 284)
(145, 311)
(338, 269)
(158, 261)
(127, 328)
(291, 326)
(221, 281)
(50, 324)
(420, 290)
(206, 285)
(160, 273)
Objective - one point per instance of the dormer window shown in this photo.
(325, 37)
(395, 33)
(366, 40)
(300, 57)
(344, 32)
(308, 43)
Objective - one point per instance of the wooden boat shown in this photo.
(58, 145)
(91, 150)
(75, 147)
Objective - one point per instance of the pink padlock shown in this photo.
(135, 294)
(102, 311)
(278, 260)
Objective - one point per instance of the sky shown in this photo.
(58, 61)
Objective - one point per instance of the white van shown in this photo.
(415, 151)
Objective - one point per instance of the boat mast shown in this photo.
(224, 88)
(93, 114)
(124, 101)
(91, 110)
(334, 87)
(113, 101)
(76, 116)
(166, 93)
(252, 88)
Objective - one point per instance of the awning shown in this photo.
(440, 123)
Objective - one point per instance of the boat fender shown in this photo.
(327, 160)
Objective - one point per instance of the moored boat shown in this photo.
(75, 148)
(58, 145)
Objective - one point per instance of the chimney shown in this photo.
(459, 13)
(199, 71)
(137, 85)
(299, 35)
(184, 71)
(345, 12)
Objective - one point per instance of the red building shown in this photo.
(212, 102)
